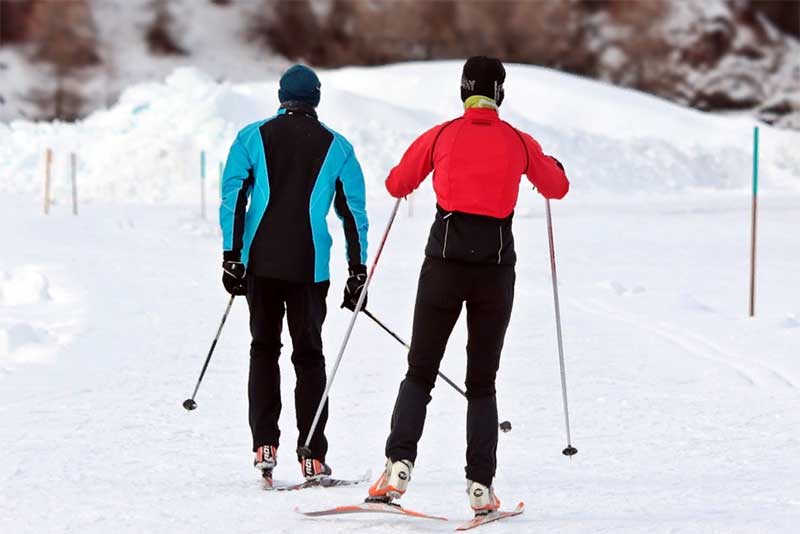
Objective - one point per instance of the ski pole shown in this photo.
(505, 426)
(408, 347)
(304, 451)
(189, 403)
(570, 450)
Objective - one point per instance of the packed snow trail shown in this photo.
(683, 409)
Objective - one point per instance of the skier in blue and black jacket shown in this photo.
(276, 249)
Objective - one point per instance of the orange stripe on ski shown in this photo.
(370, 508)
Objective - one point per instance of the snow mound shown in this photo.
(616, 141)
(38, 314)
(25, 285)
(24, 343)
(19, 335)
(791, 321)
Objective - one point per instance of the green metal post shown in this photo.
(754, 213)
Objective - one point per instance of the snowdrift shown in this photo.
(147, 147)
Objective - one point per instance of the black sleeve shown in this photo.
(350, 228)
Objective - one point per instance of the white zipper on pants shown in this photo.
(444, 246)
(500, 250)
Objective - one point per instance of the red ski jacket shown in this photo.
(477, 160)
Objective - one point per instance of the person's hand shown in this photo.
(234, 277)
(355, 285)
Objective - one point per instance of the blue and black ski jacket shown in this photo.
(291, 167)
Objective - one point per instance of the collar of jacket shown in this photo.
(480, 101)
(481, 113)
(297, 107)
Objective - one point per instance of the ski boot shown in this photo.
(482, 499)
(392, 483)
(266, 459)
(314, 470)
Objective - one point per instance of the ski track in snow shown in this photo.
(693, 344)
(685, 416)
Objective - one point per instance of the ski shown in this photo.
(320, 483)
(491, 517)
(370, 507)
(324, 483)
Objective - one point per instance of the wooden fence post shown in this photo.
(47, 168)
(73, 158)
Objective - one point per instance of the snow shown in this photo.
(32, 316)
(17, 78)
(211, 34)
(791, 321)
(147, 148)
(684, 410)
(24, 286)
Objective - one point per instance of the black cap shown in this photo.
(483, 76)
(299, 84)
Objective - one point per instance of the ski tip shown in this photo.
(369, 507)
(297, 510)
(480, 520)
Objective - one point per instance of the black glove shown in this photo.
(234, 277)
(354, 287)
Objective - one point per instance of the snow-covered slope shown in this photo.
(684, 410)
(613, 140)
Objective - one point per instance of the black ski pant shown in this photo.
(444, 286)
(305, 308)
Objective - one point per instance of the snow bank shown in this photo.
(36, 315)
(791, 321)
(147, 147)
(23, 343)
(25, 285)
(18, 335)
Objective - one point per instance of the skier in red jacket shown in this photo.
(477, 160)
